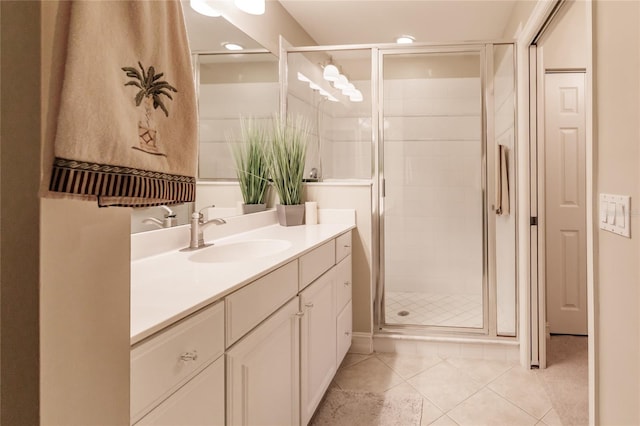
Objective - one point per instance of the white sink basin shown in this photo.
(239, 251)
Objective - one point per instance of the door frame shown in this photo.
(537, 290)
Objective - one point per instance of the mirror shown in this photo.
(229, 85)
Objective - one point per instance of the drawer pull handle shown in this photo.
(299, 314)
(189, 356)
(346, 246)
(347, 283)
(309, 305)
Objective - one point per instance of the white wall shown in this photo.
(353, 196)
(564, 43)
(617, 139)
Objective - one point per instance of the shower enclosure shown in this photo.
(434, 133)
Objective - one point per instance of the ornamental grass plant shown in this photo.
(251, 162)
(287, 154)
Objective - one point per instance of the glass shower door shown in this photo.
(433, 221)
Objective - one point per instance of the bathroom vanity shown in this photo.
(248, 331)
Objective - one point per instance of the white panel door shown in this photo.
(263, 372)
(565, 198)
(317, 342)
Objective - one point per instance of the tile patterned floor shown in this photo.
(456, 391)
(441, 309)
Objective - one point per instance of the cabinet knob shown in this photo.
(347, 333)
(309, 305)
(347, 283)
(189, 356)
(299, 314)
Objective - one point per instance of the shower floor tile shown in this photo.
(441, 309)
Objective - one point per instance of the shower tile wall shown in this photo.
(220, 107)
(432, 168)
(345, 131)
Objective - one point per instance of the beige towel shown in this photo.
(502, 182)
(126, 129)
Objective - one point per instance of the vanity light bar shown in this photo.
(315, 86)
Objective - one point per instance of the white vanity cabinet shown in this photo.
(318, 342)
(263, 354)
(263, 372)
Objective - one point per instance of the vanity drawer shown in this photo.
(163, 362)
(343, 246)
(316, 263)
(343, 283)
(248, 306)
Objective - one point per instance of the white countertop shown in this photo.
(168, 287)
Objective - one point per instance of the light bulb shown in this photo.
(356, 96)
(252, 7)
(232, 46)
(204, 8)
(405, 39)
(349, 89)
(331, 73)
(341, 82)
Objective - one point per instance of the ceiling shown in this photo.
(335, 22)
(332, 22)
(208, 34)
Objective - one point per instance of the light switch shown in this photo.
(611, 213)
(614, 214)
(620, 219)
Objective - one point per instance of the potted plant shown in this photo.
(287, 154)
(252, 169)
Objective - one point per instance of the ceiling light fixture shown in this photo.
(232, 46)
(330, 72)
(253, 7)
(204, 7)
(356, 96)
(405, 39)
(341, 82)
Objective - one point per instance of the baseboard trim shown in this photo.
(361, 343)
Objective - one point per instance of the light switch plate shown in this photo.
(614, 214)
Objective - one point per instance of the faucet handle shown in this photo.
(200, 214)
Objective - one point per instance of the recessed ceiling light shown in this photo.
(232, 46)
(253, 7)
(204, 8)
(405, 39)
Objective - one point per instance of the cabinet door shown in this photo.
(198, 403)
(263, 376)
(344, 327)
(317, 342)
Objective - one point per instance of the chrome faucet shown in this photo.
(198, 225)
(168, 221)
